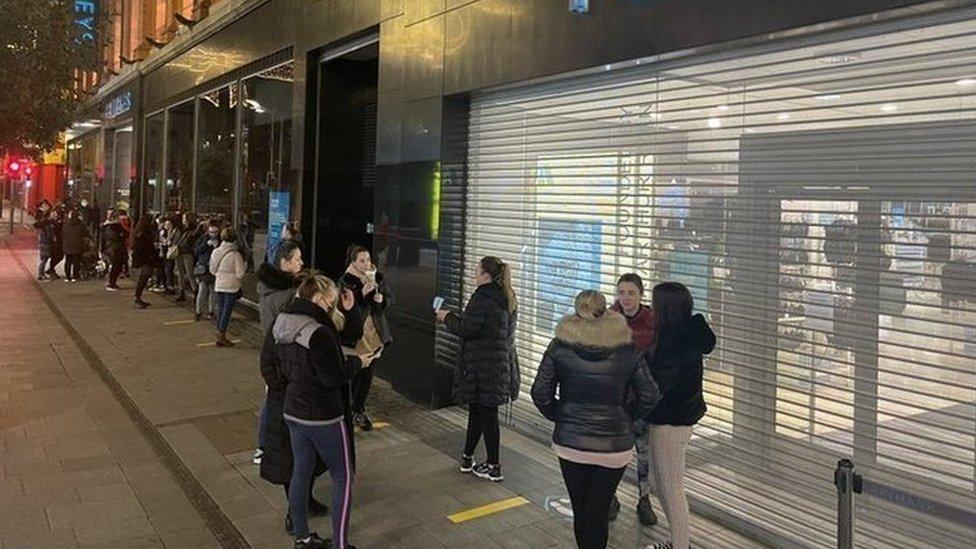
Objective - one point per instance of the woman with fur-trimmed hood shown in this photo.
(593, 365)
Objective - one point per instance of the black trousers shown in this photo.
(118, 264)
(72, 266)
(591, 488)
(56, 257)
(361, 385)
(144, 274)
(483, 421)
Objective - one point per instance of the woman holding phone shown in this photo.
(488, 372)
(372, 299)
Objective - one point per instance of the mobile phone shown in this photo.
(438, 303)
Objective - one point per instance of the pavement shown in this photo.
(127, 428)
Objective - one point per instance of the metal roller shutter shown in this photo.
(819, 200)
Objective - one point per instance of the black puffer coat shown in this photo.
(594, 365)
(676, 365)
(276, 363)
(48, 235)
(488, 372)
(73, 236)
(115, 238)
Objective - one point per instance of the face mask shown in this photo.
(84, 203)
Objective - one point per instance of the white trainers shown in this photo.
(256, 458)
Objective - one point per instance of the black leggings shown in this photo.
(483, 420)
(591, 488)
(360, 388)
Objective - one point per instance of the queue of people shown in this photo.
(618, 382)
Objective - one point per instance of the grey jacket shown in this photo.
(276, 289)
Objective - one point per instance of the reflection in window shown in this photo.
(267, 182)
(179, 158)
(153, 162)
(215, 160)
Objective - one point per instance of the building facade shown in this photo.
(806, 168)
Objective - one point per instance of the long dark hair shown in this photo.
(145, 225)
(501, 274)
(284, 252)
(672, 304)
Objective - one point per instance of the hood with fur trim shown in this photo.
(594, 337)
(271, 278)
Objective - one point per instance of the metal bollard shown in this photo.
(848, 483)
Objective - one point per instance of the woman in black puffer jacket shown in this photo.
(594, 365)
(488, 372)
(676, 363)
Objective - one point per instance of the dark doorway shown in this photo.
(346, 156)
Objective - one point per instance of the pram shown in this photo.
(92, 264)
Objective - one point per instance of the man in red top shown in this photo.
(643, 327)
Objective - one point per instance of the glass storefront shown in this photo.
(152, 162)
(179, 157)
(85, 166)
(267, 180)
(215, 152)
(819, 201)
(251, 183)
(118, 167)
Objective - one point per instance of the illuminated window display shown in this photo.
(822, 210)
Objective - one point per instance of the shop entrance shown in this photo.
(346, 154)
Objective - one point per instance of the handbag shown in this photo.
(172, 253)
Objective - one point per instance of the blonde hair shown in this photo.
(313, 284)
(590, 304)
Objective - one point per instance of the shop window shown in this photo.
(215, 152)
(267, 197)
(152, 162)
(179, 158)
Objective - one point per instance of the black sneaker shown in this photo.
(362, 421)
(645, 513)
(661, 545)
(289, 527)
(467, 464)
(197, 317)
(614, 508)
(141, 304)
(489, 472)
(313, 541)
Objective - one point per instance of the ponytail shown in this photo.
(501, 274)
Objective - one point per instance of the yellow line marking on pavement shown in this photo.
(376, 425)
(486, 510)
(214, 343)
(175, 322)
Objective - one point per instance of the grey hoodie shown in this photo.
(293, 328)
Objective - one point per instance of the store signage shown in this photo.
(118, 105)
(279, 208)
(86, 20)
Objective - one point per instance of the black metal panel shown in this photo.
(492, 42)
(422, 130)
(423, 58)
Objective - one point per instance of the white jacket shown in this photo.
(227, 265)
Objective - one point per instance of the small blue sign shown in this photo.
(118, 105)
(279, 208)
(569, 262)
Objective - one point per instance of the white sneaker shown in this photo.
(256, 458)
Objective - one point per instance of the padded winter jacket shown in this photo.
(312, 362)
(488, 371)
(228, 268)
(594, 365)
(676, 364)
